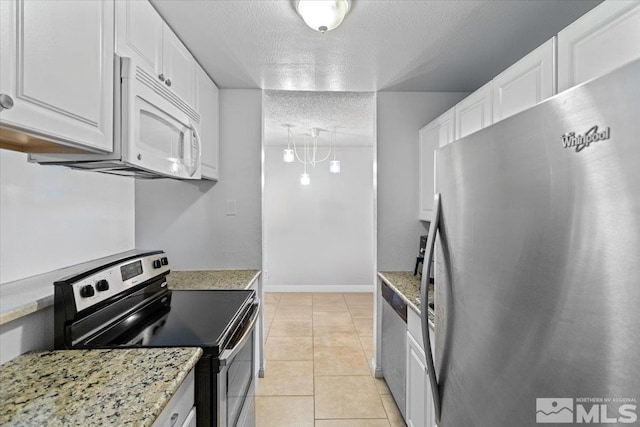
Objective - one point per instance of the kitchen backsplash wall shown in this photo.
(52, 217)
(189, 220)
(400, 116)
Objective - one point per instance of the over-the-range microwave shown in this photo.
(155, 133)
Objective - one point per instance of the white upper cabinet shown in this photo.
(436, 134)
(209, 127)
(56, 65)
(178, 66)
(142, 34)
(139, 34)
(526, 83)
(474, 112)
(603, 39)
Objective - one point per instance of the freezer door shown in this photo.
(538, 261)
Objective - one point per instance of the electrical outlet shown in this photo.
(266, 274)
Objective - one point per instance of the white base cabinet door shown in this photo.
(420, 410)
(436, 134)
(605, 38)
(57, 65)
(181, 407)
(208, 107)
(526, 83)
(474, 112)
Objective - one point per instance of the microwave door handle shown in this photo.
(230, 353)
(198, 142)
(424, 307)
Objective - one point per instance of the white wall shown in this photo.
(52, 217)
(188, 219)
(319, 237)
(400, 116)
(28, 333)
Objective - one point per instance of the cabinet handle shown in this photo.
(174, 418)
(6, 102)
(168, 82)
(161, 77)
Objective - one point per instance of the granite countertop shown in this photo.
(211, 279)
(405, 284)
(92, 387)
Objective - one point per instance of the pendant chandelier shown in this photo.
(308, 154)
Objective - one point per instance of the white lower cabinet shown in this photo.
(419, 406)
(420, 411)
(180, 411)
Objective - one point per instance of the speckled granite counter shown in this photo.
(92, 387)
(212, 279)
(405, 284)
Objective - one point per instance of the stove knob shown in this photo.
(87, 291)
(157, 264)
(102, 285)
(165, 261)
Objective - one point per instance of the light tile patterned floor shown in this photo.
(318, 350)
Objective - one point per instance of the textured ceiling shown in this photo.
(350, 114)
(382, 44)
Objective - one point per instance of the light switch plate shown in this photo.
(231, 207)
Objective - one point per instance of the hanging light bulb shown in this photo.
(334, 166)
(288, 155)
(305, 179)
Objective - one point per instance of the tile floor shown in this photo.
(318, 350)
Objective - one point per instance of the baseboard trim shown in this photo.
(318, 288)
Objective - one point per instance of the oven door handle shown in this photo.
(231, 352)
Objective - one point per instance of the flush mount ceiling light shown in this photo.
(322, 15)
(308, 154)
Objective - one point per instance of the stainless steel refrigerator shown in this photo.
(537, 316)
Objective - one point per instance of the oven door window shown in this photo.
(239, 377)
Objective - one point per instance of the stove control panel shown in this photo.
(115, 279)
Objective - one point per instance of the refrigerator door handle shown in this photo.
(424, 307)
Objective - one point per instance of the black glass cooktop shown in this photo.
(200, 318)
(206, 319)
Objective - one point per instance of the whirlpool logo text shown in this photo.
(570, 139)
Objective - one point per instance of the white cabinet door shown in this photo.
(526, 83)
(209, 125)
(139, 34)
(191, 420)
(178, 66)
(178, 410)
(474, 112)
(56, 63)
(603, 39)
(436, 134)
(420, 410)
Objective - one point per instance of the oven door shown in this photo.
(236, 380)
(158, 130)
